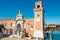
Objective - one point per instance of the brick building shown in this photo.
(34, 26)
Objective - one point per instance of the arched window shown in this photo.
(38, 6)
(11, 24)
(5, 24)
(31, 26)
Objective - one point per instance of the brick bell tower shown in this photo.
(38, 20)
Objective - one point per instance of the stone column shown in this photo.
(13, 32)
(18, 33)
(22, 28)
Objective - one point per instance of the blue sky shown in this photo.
(10, 8)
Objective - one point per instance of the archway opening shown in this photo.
(18, 28)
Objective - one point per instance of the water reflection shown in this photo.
(56, 35)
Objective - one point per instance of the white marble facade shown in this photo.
(18, 25)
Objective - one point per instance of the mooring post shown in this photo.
(51, 38)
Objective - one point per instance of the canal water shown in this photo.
(56, 35)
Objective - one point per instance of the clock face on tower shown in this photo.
(37, 17)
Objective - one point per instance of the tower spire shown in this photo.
(19, 11)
